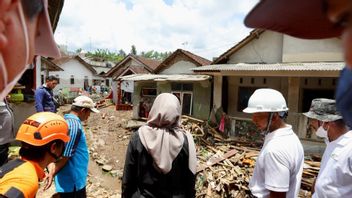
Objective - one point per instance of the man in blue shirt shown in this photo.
(72, 170)
(44, 97)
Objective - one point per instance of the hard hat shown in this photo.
(42, 128)
(266, 100)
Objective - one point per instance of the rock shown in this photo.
(125, 137)
(112, 118)
(95, 155)
(116, 173)
(100, 162)
(101, 142)
(107, 168)
(133, 124)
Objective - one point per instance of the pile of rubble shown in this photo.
(225, 166)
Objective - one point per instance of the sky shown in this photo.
(207, 28)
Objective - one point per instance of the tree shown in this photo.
(133, 50)
(105, 55)
(122, 53)
(79, 50)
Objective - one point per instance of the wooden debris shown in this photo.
(225, 166)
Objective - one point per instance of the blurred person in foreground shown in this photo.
(161, 157)
(25, 31)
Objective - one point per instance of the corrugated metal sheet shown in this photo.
(155, 77)
(322, 66)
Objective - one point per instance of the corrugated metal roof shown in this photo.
(160, 77)
(318, 66)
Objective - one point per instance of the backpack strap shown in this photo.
(9, 166)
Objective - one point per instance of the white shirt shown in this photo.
(279, 165)
(335, 175)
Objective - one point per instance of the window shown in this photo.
(86, 83)
(185, 99)
(72, 80)
(148, 92)
(58, 78)
(107, 82)
(243, 96)
(182, 87)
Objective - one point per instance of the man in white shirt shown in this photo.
(279, 166)
(335, 175)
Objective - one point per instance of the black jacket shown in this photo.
(142, 180)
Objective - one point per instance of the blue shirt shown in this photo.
(73, 175)
(44, 100)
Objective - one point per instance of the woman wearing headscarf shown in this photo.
(161, 156)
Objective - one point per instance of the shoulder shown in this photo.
(24, 178)
(40, 90)
(72, 122)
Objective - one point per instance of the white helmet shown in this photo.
(266, 100)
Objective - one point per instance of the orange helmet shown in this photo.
(42, 128)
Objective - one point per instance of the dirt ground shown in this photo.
(107, 142)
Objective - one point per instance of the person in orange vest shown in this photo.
(43, 137)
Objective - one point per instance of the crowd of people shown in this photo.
(161, 157)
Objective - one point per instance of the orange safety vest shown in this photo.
(19, 179)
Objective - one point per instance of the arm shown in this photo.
(129, 179)
(54, 168)
(70, 148)
(39, 94)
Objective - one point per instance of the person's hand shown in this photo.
(49, 176)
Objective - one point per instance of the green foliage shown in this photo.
(156, 55)
(106, 55)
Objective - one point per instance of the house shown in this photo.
(79, 73)
(131, 64)
(300, 69)
(173, 75)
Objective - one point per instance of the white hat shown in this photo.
(266, 100)
(85, 102)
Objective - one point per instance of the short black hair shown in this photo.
(36, 153)
(32, 8)
(51, 78)
(77, 109)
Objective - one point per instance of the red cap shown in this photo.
(299, 18)
(45, 42)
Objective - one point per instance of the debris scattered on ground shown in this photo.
(225, 165)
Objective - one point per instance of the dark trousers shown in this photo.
(4, 153)
(76, 194)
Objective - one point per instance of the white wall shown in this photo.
(180, 67)
(266, 49)
(78, 70)
(301, 50)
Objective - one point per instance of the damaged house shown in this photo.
(300, 69)
(173, 75)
